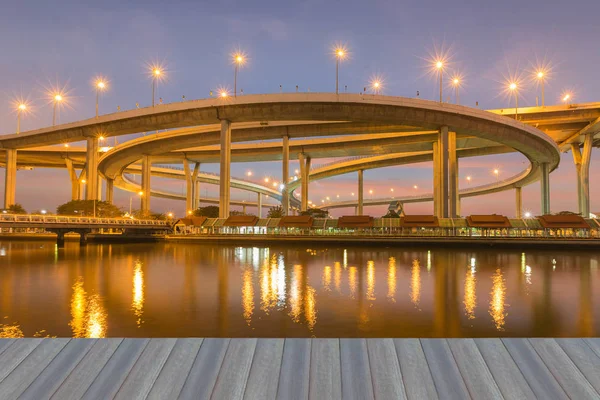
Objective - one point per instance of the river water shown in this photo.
(181, 290)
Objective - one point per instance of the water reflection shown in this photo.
(286, 292)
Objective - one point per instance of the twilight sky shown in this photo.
(68, 43)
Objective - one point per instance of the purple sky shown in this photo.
(67, 44)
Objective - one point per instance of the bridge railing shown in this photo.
(68, 219)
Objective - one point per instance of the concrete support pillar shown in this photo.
(10, 178)
(582, 165)
(519, 201)
(545, 188)
(110, 190)
(259, 203)
(99, 190)
(452, 176)
(145, 197)
(305, 177)
(189, 187)
(91, 187)
(197, 195)
(195, 185)
(355, 210)
(360, 191)
(75, 185)
(443, 148)
(437, 202)
(244, 209)
(285, 175)
(225, 175)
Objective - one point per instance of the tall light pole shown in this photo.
(456, 84)
(541, 77)
(513, 88)
(22, 107)
(57, 99)
(238, 60)
(340, 54)
(376, 86)
(439, 65)
(156, 74)
(100, 86)
(567, 97)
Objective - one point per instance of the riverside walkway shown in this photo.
(196, 368)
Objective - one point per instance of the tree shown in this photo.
(391, 214)
(316, 213)
(236, 212)
(15, 209)
(138, 214)
(208, 211)
(275, 212)
(86, 208)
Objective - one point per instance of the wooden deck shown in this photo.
(299, 368)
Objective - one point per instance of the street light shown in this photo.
(100, 86)
(541, 77)
(21, 108)
(456, 82)
(439, 65)
(469, 179)
(249, 173)
(239, 59)
(513, 88)
(156, 72)
(340, 54)
(566, 97)
(57, 99)
(496, 172)
(376, 84)
(415, 187)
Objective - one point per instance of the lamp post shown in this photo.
(497, 173)
(57, 99)
(340, 54)
(238, 61)
(567, 97)
(156, 74)
(513, 88)
(100, 86)
(22, 107)
(456, 84)
(376, 86)
(439, 65)
(541, 77)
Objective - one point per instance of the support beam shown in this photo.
(10, 178)
(259, 203)
(244, 209)
(146, 190)
(91, 187)
(189, 187)
(305, 178)
(110, 190)
(285, 175)
(545, 188)
(99, 190)
(444, 171)
(577, 160)
(195, 186)
(75, 185)
(586, 158)
(519, 201)
(452, 176)
(437, 201)
(225, 167)
(360, 191)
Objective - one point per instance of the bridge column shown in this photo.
(189, 186)
(519, 201)
(244, 208)
(305, 177)
(110, 190)
(99, 194)
(453, 176)
(10, 178)
(545, 188)
(443, 148)
(91, 160)
(75, 185)
(437, 203)
(259, 203)
(146, 190)
(582, 165)
(195, 185)
(360, 191)
(285, 175)
(225, 175)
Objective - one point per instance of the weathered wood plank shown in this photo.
(203, 375)
(584, 358)
(115, 371)
(416, 375)
(15, 353)
(174, 373)
(143, 374)
(477, 376)
(594, 344)
(325, 371)
(445, 373)
(565, 372)
(57, 371)
(505, 371)
(541, 381)
(25, 373)
(385, 369)
(295, 370)
(80, 379)
(5, 343)
(356, 373)
(264, 372)
(235, 369)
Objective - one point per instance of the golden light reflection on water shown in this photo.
(310, 307)
(88, 315)
(370, 280)
(352, 281)
(10, 331)
(327, 278)
(497, 300)
(296, 294)
(248, 294)
(337, 276)
(470, 299)
(137, 304)
(268, 284)
(391, 295)
(415, 283)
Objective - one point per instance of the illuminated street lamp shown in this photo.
(239, 59)
(513, 88)
(469, 179)
(57, 99)
(541, 76)
(567, 97)
(456, 81)
(497, 173)
(439, 65)
(340, 54)
(157, 73)
(100, 87)
(21, 108)
(249, 173)
(415, 187)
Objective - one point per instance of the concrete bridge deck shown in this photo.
(221, 368)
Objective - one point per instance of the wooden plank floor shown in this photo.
(299, 368)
